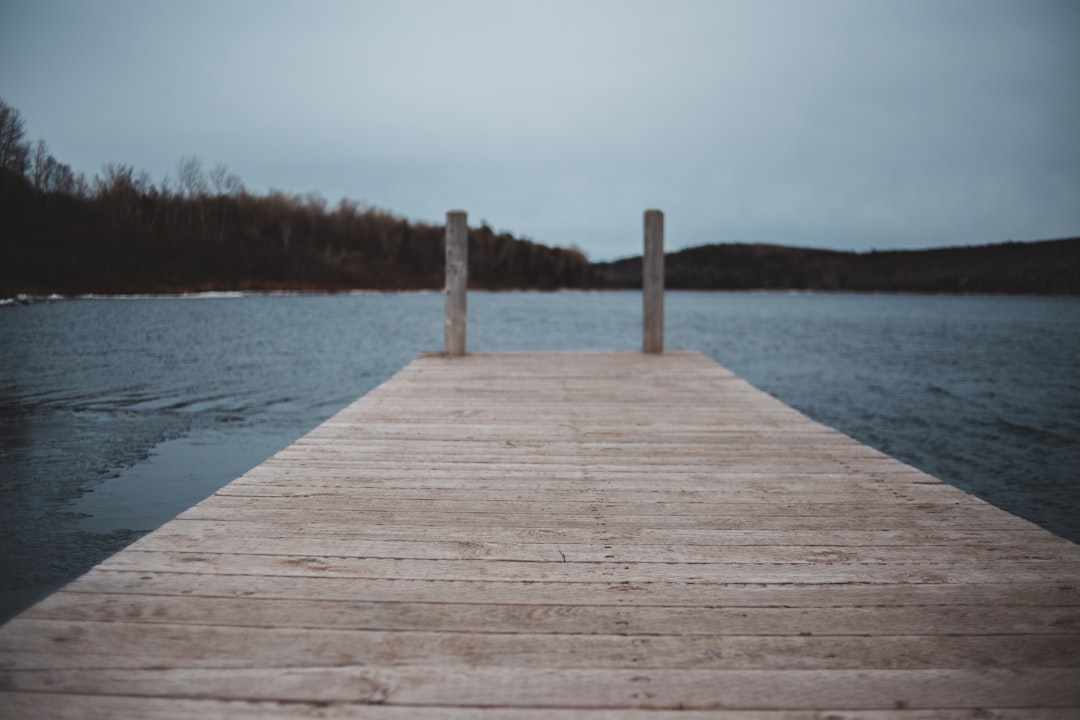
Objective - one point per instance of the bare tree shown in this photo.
(117, 179)
(61, 178)
(194, 185)
(39, 168)
(49, 175)
(82, 186)
(189, 173)
(14, 152)
(143, 183)
(116, 190)
(281, 207)
(224, 182)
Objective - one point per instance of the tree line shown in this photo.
(120, 232)
(1046, 267)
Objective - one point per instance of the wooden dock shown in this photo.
(557, 535)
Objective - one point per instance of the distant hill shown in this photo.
(1045, 267)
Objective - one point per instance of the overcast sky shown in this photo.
(838, 124)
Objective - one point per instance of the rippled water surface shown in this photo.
(116, 414)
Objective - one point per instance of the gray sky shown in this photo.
(840, 124)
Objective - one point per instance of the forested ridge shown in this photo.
(1040, 268)
(120, 232)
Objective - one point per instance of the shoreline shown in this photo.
(22, 299)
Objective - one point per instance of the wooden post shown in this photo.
(457, 280)
(652, 279)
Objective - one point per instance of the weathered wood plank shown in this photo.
(572, 475)
(347, 528)
(129, 643)
(592, 487)
(700, 502)
(760, 517)
(109, 707)
(728, 487)
(580, 687)
(431, 615)
(605, 572)
(534, 592)
(600, 550)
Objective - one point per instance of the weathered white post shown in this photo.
(457, 280)
(652, 279)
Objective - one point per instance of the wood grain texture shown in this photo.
(457, 281)
(566, 535)
(652, 282)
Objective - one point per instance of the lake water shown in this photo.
(117, 414)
